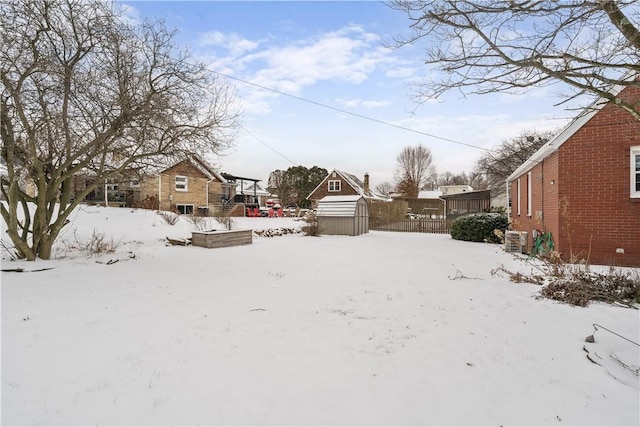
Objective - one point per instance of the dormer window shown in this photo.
(334, 185)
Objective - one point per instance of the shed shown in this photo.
(344, 215)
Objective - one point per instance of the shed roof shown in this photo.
(338, 206)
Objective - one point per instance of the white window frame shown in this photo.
(186, 183)
(334, 185)
(529, 194)
(518, 196)
(634, 153)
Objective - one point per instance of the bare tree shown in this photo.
(495, 166)
(84, 90)
(280, 185)
(384, 188)
(483, 46)
(414, 169)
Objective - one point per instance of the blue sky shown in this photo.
(333, 53)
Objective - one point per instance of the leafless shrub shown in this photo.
(382, 213)
(311, 227)
(149, 202)
(578, 285)
(582, 286)
(97, 244)
(169, 217)
(199, 222)
(226, 221)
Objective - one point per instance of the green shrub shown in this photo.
(479, 227)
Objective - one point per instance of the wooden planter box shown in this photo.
(222, 238)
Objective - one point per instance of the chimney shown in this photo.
(366, 184)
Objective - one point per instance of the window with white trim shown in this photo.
(635, 172)
(528, 193)
(185, 209)
(182, 183)
(518, 196)
(334, 185)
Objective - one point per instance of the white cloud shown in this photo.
(357, 102)
(233, 43)
(348, 55)
(130, 14)
(400, 72)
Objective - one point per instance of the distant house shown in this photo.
(187, 187)
(245, 190)
(427, 203)
(454, 189)
(338, 183)
(583, 187)
(466, 202)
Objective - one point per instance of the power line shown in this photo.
(350, 112)
(268, 146)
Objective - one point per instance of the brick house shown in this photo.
(583, 187)
(338, 183)
(189, 186)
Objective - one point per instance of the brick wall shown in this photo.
(544, 197)
(588, 208)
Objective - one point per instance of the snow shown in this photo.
(379, 329)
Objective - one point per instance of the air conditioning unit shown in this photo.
(515, 241)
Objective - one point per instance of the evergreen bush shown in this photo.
(479, 227)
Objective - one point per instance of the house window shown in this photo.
(518, 197)
(182, 183)
(334, 185)
(635, 172)
(185, 209)
(134, 183)
(529, 194)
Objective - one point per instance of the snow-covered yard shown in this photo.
(379, 329)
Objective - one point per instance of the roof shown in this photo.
(202, 166)
(475, 194)
(250, 187)
(235, 178)
(338, 206)
(563, 136)
(356, 184)
(429, 194)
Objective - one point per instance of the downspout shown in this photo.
(542, 197)
(506, 202)
(444, 212)
(159, 192)
(207, 194)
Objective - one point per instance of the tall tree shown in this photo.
(85, 90)
(280, 185)
(495, 166)
(481, 47)
(414, 168)
(296, 183)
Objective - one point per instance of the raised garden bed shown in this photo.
(221, 238)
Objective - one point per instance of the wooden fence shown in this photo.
(437, 226)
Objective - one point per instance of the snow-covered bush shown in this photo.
(479, 227)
